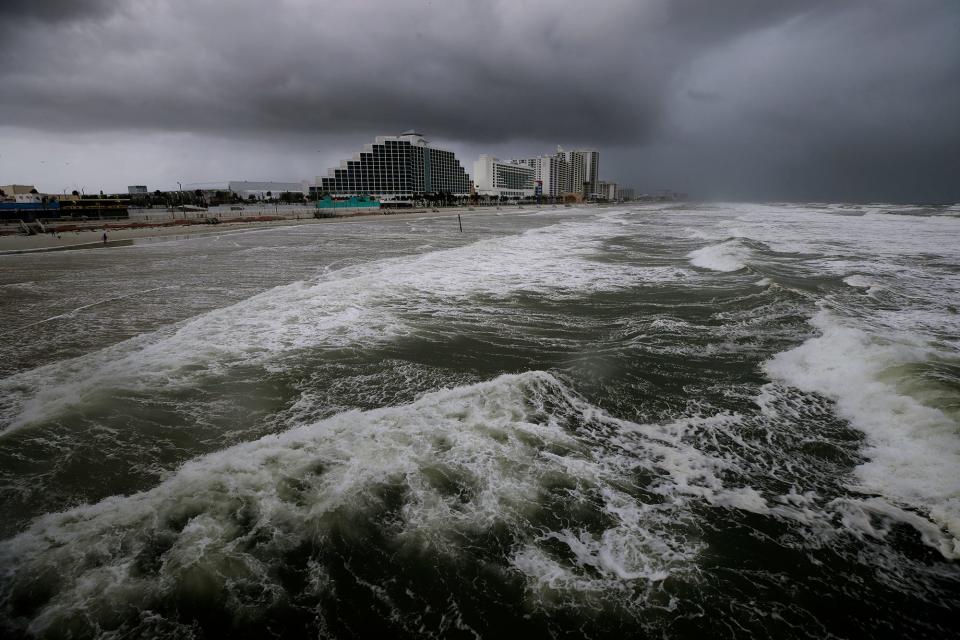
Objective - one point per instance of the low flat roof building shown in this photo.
(17, 189)
(245, 189)
(496, 178)
(603, 190)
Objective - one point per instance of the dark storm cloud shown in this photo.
(20, 11)
(756, 95)
(477, 70)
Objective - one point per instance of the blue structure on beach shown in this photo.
(29, 210)
(353, 202)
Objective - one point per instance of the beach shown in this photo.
(92, 236)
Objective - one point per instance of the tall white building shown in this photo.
(495, 178)
(584, 169)
(576, 171)
(552, 172)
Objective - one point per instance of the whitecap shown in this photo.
(727, 256)
(913, 448)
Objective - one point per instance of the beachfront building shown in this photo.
(584, 169)
(503, 179)
(13, 190)
(626, 194)
(603, 190)
(552, 172)
(397, 166)
(565, 173)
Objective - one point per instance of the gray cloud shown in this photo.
(21, 11)
(747, 98)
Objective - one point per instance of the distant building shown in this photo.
(603, 190)
(584, 169)
(405, 165)
(626, 194)
(496, 178)
(13, 190)
(137, 188)
(558, 175)
(91, 207)
(553, 173)
(260, 190)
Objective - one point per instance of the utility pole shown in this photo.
(183, 207)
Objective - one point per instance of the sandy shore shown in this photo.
(93, 237)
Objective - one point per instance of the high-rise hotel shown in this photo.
(565, 172)
(404, 165)
(551, 172)
(584, 169)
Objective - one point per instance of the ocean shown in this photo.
(664, 420)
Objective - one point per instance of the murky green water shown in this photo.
(683, 421)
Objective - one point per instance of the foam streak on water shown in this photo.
(658, 421)
(351, 306)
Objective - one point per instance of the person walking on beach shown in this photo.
(104, 237)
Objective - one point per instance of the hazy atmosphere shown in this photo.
(748, 99)
(480, 319)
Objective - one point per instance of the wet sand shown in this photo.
(93, 236)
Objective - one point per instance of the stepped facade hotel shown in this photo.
(398, 166)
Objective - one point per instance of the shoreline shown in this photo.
(91, 238)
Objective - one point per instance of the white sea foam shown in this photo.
(913, 449)
(727, 256)
(875, 235)
(464, 461)
(704, 234)
(859, 281)
(869, 285)
(357, 305)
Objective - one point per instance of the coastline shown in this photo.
(91, 238)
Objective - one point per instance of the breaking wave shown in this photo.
(731, 255)
(913, 449)
(360, 305)
(517, 476)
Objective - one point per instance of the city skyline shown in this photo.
(754, 100)
(386, 167)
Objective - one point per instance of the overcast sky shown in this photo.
(739, 99)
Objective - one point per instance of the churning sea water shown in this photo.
(673, 421)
